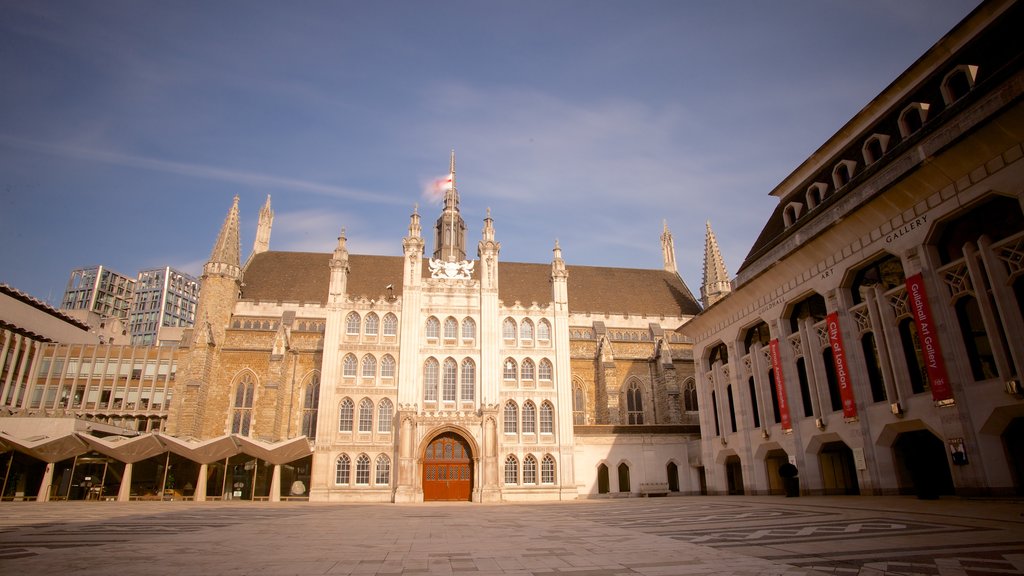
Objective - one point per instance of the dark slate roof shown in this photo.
(305, 277)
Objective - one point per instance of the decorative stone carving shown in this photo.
(451, 270)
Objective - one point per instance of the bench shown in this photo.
(654, 489)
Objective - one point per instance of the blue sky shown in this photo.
(126, 128)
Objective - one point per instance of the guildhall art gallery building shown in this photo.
(871, 339)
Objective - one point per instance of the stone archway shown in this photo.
(448, 468)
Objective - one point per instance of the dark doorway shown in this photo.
(1013, 441)
(838, 472)
(922, 465)
(734, 475)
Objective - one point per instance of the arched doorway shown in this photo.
(448, 468)
(921, 460)
(1013, 440)
(734, 475)
(838, 470)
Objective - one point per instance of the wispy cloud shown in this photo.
(201, 171)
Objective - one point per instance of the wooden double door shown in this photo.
(448, 468)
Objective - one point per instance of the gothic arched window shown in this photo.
(511, 470)
(241, 417)
(384, 410)
(352, 322)
(310, 406)
(448, 380)
(529, 418)
(468, 380)
(390, 324)
(529, 469)
(366, 415)
(430, 380)
(511, 418)
(547, 418)
(346, 415)
(371, 324)
(634, 404)
(343, 470)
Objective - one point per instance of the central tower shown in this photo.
(450, 230)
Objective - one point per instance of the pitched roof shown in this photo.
(305, 277)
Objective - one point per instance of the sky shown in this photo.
(127, 128)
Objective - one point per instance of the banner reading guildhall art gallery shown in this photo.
(835, 341)
(780, 385)
(929, 340)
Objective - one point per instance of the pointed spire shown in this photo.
(668, 249)
(487, 233)
(341, 251)
(225, 259)
(450, 229)
(558, 269)
(414, 222)
(716, 280)
(263, 226)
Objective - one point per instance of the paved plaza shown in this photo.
(724, 535)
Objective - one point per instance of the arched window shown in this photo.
(579, 405)
(527, 371)
(752, 389)
(526, 331)
(508, 329)
(362, 470)
(510, 370)
(310, 406)
(390, 324)
(384, 410)
(885, 271)
(451, 329)
(511, 418)
(448, 380)
(815, 194)
(468, 329)
(547, 469)
(914, 356)
(690, 396)
(958, 83)
(529, 469)
(543, 331)
(352, 322)
(366, 415)
(634, 404)
(529, 418)
(843, 173)
(343, 470)
(623, 477)
(432, 329)
(349, 366)
(369, 366)
(241, 417)
(387, 366)
(874, 148)
(603, 484)
(430, 380)
(805, 387)
(544, 370)
(547, 418)
(912, 118)
(346, 415)
(792, 213)
(468, 380)
(383, 476)
(511, 470)
(732, 407)
(371, 324)
(975, 337)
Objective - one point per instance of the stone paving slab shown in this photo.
(651, 537)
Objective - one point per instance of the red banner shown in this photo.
(917, 300)
(835, 340)
(780, 384)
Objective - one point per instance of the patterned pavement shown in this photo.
(870, 536)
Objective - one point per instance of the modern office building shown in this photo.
(164, 298)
